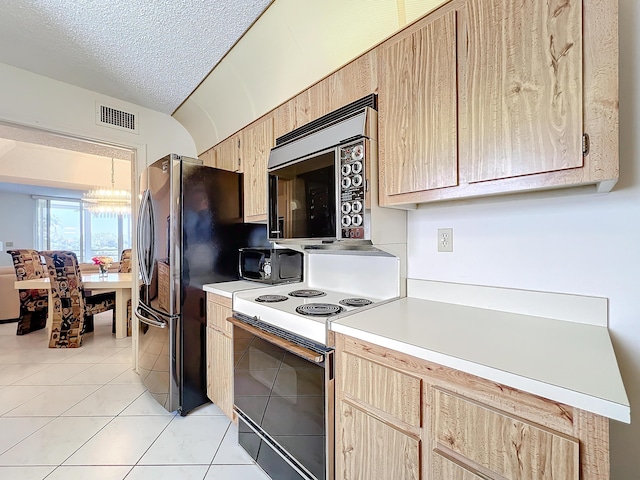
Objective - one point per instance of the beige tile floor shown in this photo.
(84, 414)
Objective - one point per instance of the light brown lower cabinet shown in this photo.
(377, 450)
(219, 353)
(448, 425)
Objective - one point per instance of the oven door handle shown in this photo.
(305, 353)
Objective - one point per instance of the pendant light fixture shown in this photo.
(108, 201)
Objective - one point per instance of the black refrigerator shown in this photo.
(190, 227)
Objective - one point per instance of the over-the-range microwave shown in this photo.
(319, 178)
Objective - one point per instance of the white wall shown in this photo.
(37, 101)
(569, 242)
(17, 220)
(32, 164)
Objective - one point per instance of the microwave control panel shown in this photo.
(352, 191)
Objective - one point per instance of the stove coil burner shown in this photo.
(319, 309)
(271, 298)
(355, 302)
(307, 293)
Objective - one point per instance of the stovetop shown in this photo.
(284, 313)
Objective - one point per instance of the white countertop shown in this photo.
(226, 289)
(567, 361)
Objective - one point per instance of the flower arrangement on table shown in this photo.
(103, 263)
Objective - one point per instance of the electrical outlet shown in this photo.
(445, 239)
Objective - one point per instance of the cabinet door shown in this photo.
(418, 110)
(444, 468)
(222, 368)
(521, 92)
(499, 443)
(389, 391)
(210, 354)
(353, 81)
(257, 142)
(208, 158)
(218, 310)
(302, 109)
(368, 448)
(220, 353)
(227, 154)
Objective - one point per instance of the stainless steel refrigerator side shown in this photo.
(158, 326)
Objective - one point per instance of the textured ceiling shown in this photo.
(152, 53)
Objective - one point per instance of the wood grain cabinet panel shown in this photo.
(210, 355)
(302, 109)
(256, 144)
(353, 81)
(470, 428)
(418, 110)
(208, 158)
(373, 450)
(218, 310)
(226, 154)
(487, 97)
(522, 102)
(220, 353)
(446, 468)
(501, 444)
(222, 372)
(385, 389)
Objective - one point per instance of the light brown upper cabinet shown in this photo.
(353, 81)
(302, 109)
(207, 157)
(226, 154)
(418, 110)
(490, 97)
(522, 89)
(257, 141)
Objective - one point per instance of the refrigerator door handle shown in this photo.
(146, 237)
(150, 322)
(157, 321)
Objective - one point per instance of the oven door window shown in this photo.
(285, 396)
(303, 199)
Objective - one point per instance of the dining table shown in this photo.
(120, 283)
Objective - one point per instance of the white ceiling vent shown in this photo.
(116, 118)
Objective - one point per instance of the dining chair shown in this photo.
(34, 303)
(125, 267)
(72, 309)
(125, 261)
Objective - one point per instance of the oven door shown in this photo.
(284, 400)
(303, 198)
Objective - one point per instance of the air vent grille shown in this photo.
(330, 118)
(113, 117)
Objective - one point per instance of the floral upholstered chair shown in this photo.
(125, 261)
(34, 303)
(71, 308)
(125, 267)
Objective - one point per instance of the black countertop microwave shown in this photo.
(271, 265)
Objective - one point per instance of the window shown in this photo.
(63, 224)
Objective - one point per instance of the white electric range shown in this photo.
(336, 285)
